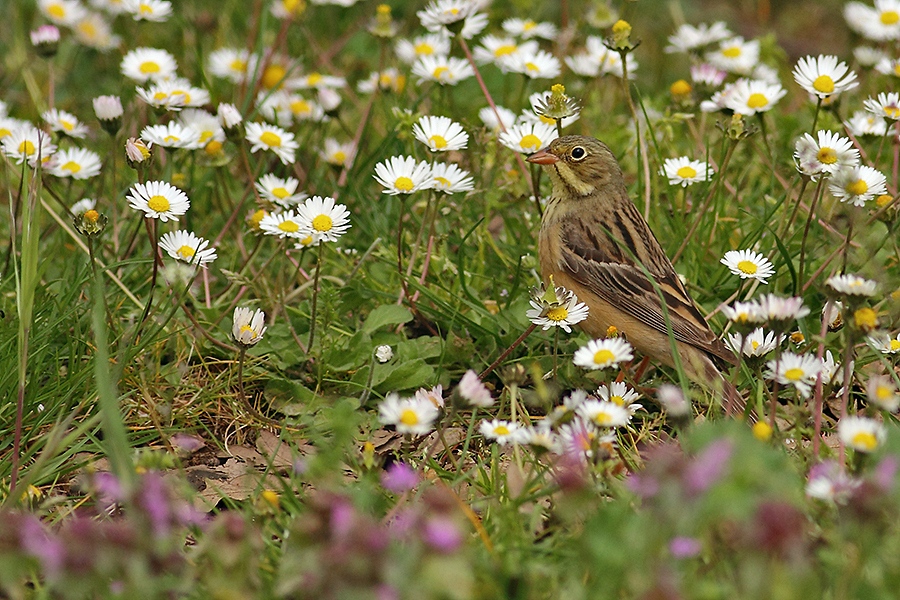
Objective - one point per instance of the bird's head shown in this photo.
(578, 165)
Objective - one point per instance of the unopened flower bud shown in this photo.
(137, 152)
(109, 112)
(45, 40)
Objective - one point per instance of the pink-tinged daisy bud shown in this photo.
(137, 152)
(45, 40)
(109, 112)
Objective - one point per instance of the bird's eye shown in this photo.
(578, 153)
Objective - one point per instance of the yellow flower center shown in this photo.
(528, 25)
(532, 67)
(409, 417)
(238, 65)
(501, 430)
(731, 52)
(762, 431)
(270, 139)
(603, 356)
(505, 50)
(280, 193)
(148, 67)
(883, 392)
(439, 72)
(186, 252)
(159, 203)
(443, 181)
(895, 345)
(71, 167)
(4, 132)
(824, 84)
(757, 100)
(865, 319)
(301, 107)
(881, 201)
(87, 29)
(213, 148)
(322, 223)
(307, 240)
(892, 112)
(889, 17)
(438, 141)
(424, 48)
(145, 9)
(314, 79)
(339, 157)
(256, 217)
(288, 226)
(618, 400)
(273, 75)
(171, 139)
(67, 125)
(530, 142)
(680, 88)
(294, 7)
(795, 374)
(747, 266)
(558, 313)
(247, 329)
(404, 184)
(858, 187)
(864, 440)
(160, 96)
(56, 11)
(91, 215)
(827, 156)
(686, 172)
(602, 418)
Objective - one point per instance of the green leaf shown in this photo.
(387, 314)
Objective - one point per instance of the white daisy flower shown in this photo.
(62, 12)
(881, 23)
(248, 326)
(857, 185)
(228, 116)
(851, 285)
(528, 138)
(82, 206)
(450, 179)
(861, 433)
(538, 64)
(756, 343)
(384, 353)
(489, 118)
(798, 370)
(828, 153)
(94, 31)
(823, 76)
(440, 13)
(158, 200)
(185, 246)
(108, 108)
(527, 29)
(538, 101)
(611, 63)
(440, 134)
(604, 414)
(884, 343)
(45, 37)
(66, 123)
(502, 432)
(445, 70)
(494, 48)
(620, 394)
(888, 66)
(865, 123)
(776, 308)
(285, 225)
(430, 44)
(327, 221)
(316, 80)
(868, 56)
(389, 80)
(232, 64)
(148, 64)
(263, 136)
(212, 136)
(172, 135)
(603, 354)
(540, 439)
(688, 37)
(885, 105)
(752, 96)
(403, 175)
(579, 438)
(9, 124)
(684, 172)
(707, 75)
(148, 10)
(748, 264)
(27, 142)
(281, 191)
(743, 313)
(408, 415)
(882, 392)
(336, 153)
(473, 391)
(77, 163)
(563, 313)
(173, 94)
(735, 55)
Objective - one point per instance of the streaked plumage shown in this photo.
(594, 241)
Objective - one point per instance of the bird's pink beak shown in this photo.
(543, 158)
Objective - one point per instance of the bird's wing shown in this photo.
(606, 263)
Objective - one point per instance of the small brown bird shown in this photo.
(595, 242)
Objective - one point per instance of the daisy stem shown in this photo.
(642, 148)
(555, 351)
(506, 352)
(315, 298)
(896, 164)
(817, 411)
(846, 249)
(793, 216)
(816, 115)
(241, 356)
(367, 391)
(809, 219)
(490, 101)
(154, 242)
(848, 373)
(513, 414)
(470, 431)
(773, 403)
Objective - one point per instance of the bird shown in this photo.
(594, 241)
